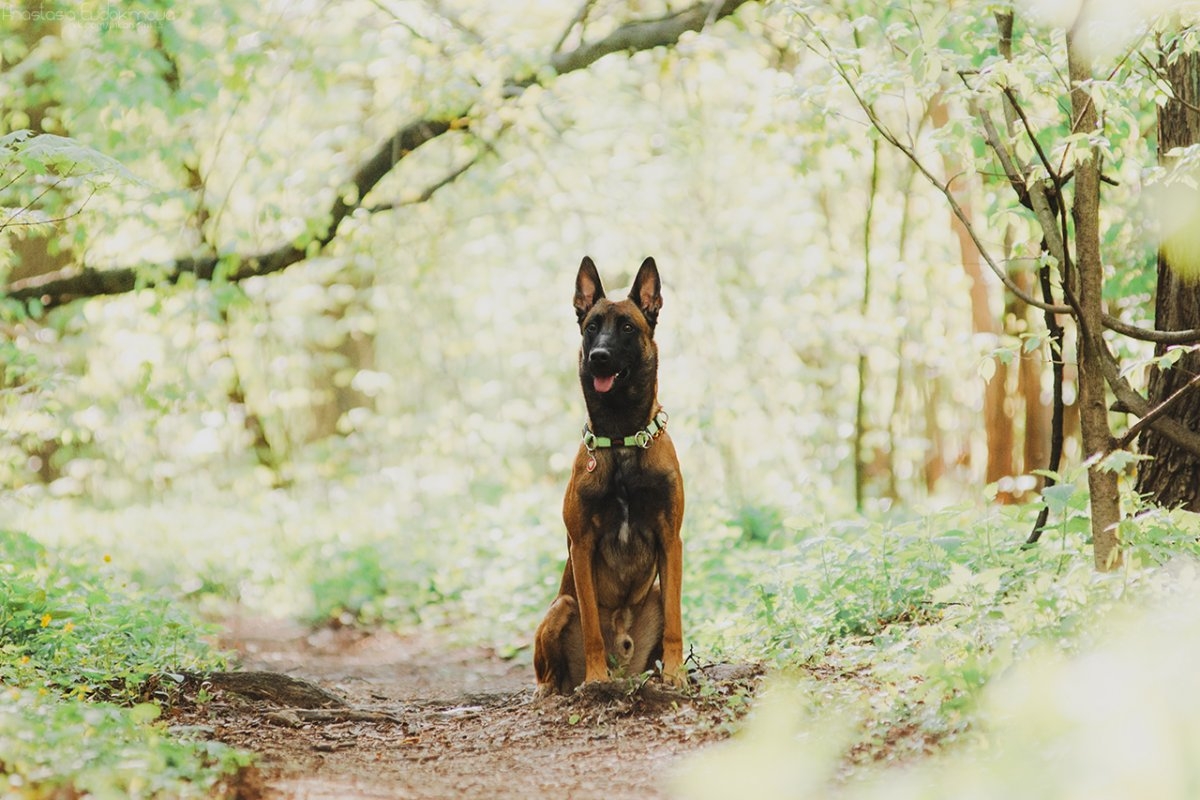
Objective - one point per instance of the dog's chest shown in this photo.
(631, 511)
(628, 536)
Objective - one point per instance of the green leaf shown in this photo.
(144, 713)
(1058, 497)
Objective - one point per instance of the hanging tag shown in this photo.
(591, 463)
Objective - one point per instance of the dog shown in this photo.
(619, 600)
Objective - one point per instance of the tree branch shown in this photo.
(1034, 196)
(1131, 400)
(1155, 414)
(644, 35)
(1191, 336)
(579, 19)
(63, 287)
(58, 288)
(427, 194)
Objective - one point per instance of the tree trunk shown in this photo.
(1087, 282)
(42, 249)
(860, 403)
(1172, 477)
(997, 415)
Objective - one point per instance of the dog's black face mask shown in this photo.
(613, 347)
(618, 337)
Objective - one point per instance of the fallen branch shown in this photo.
(295, 717)
(272, 687)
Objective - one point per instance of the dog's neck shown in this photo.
(621, 412)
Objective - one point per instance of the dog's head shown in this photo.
(618, 337)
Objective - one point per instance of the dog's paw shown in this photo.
(603, 691)
(676, 679)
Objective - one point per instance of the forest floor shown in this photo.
(413, 716)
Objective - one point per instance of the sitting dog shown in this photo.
(619, 600)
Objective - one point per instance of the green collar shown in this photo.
(642, 438)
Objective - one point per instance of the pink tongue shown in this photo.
(602, 385)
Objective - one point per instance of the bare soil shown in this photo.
(412, 716)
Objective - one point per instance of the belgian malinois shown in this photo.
(618, 603)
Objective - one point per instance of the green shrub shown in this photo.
(72, 627)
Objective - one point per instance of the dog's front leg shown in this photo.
(582, 552)
(670, 573)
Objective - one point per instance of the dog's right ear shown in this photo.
(587, 288)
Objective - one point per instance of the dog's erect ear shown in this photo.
(647, 291)
(587, 288)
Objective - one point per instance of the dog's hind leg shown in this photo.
(558, 648)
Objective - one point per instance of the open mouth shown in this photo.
(604, 383)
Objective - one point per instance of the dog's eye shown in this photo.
(592, 326)
(627, 327)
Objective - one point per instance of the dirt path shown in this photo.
(455, 722)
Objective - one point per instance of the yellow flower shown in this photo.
(46, 620)
(70, 626)
(24, 659)
(107, 558)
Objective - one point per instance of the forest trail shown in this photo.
(427, 719)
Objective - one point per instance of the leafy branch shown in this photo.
(1046, 199)
(55, 161)
(75, 283)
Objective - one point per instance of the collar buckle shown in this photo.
(643, 438)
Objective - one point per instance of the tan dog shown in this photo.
(619, 601)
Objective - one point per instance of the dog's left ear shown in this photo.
(647, 291)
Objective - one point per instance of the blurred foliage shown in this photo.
(1076, 684)
(464, 300)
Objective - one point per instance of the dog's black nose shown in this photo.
(599, 357)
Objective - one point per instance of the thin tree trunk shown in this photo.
(893, 420)
(1035, 411)
(935, 458)
(860, 403)
(1172, 477)
(1088, 283)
